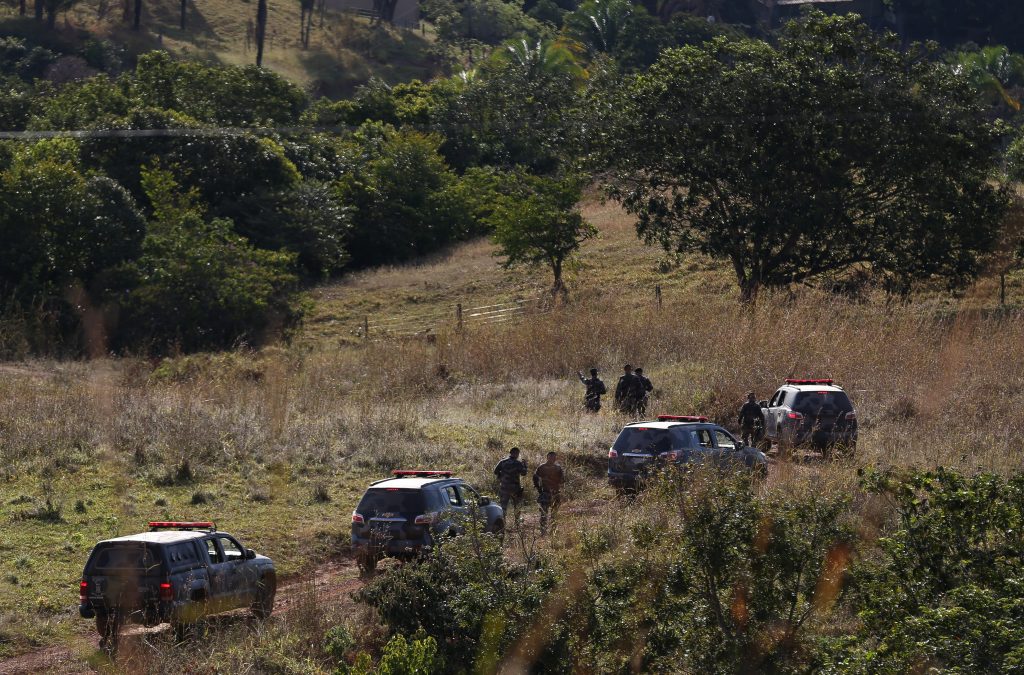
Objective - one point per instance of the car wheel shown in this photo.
(264, 604)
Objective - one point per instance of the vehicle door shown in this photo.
(241, 574)
(727, 449)
(220, 574)
(454, 508)
(772, 417)
(704, 449)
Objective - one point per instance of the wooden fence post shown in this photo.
(366, 327)
(657, 295)
(458, 316)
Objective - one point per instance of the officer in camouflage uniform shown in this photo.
(751, 419)
(508, 472)
(548, 479)
(628, 391)
(645, 389)
(595, 390)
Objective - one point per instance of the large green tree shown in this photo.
(828, 151)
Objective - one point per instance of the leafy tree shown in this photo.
(225, 95)
(60, 228)
(396, 187)
(946, 589)
(830, 151)
(197, 284)
(538, 223)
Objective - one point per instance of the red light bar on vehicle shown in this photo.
(421, 474)
(181, 525)
(790, 380)
(682, 418)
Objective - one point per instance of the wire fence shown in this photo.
(457, 318)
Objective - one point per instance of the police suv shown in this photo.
(643, 447)
(814, 412)
(403, 515)
(178, 572)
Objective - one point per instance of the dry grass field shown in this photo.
(277, 445)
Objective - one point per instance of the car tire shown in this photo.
(264, 605)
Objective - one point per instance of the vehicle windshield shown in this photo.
(822, 403)
(648, 440)
(133, 556)
(381, 501)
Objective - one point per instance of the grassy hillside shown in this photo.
(277, 446)
(344, 52)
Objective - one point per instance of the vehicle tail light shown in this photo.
(83, 592)
(794, 416)
(357, 519)
(851, 416)
(425, 519)
(612, 454)
(670, 456)
(166, 591)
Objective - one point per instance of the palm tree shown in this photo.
(596, 24)
(534, 59)
(993, 72)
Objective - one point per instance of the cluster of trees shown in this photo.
(825, 150)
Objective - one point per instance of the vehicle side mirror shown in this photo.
(763, 404)
(484, 501)
(249, 554)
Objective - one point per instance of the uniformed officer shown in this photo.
(595, 390)
(548, 479)
(508, 472)
(627, 391)
(645, 389)
(751, 418)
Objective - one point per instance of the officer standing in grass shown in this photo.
(645, 389)
(751, 418)
(627, 391)
(595, 390)
(508, 472)
(548, 479)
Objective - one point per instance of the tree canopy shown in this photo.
(830, 150)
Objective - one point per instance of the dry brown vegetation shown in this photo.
(108, 444)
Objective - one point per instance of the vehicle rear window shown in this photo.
(644, 439)
(384, 500)
(127, 556)
(818, 402)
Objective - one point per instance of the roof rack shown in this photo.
(826, 380)
(682, 418)
(420, 473)
(155, 525)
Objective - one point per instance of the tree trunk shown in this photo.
(261, 30)
(137, 19)
(558, 288)
(184, 12)
(51, 16)
(39, 10)
(21, 7)
(126, 10)
(748, 290)
(1002, 289)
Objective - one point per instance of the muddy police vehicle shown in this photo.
(644, 447)
(810, 412)
(404, 515)
(177, 573)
